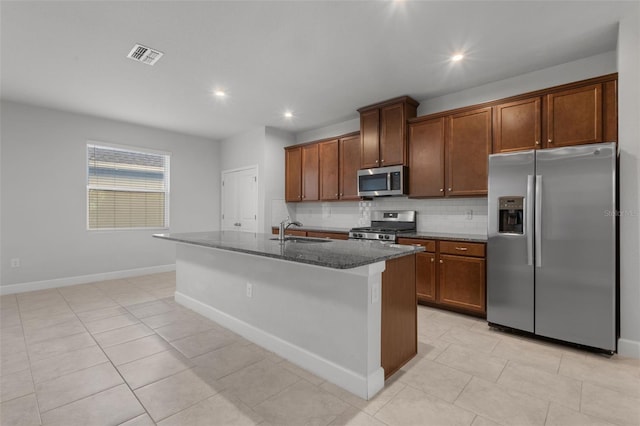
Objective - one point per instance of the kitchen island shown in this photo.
(325, 305)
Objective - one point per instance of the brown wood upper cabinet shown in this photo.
(339, 164)
(468, 145)
(448, 155)
(577, 113)
(329, 161)
(574, 116)
(426, 158)
(293, 174)
(383, 132)
(517, 125)
(323, 170)
(348, 167)
(310, 171)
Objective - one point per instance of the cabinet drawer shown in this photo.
(462, 249)
(429, 245)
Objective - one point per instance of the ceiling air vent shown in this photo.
(144, 54)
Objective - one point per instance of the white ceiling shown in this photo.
(322, 60)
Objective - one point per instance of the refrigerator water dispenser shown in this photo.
(511, 214)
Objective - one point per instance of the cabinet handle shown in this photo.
(441, 261)
(462, 248)
(336, 195)
(550, 141)
(449, 189)
(537, 142)
(432, 260)
(441, 189)
(341, 194)
(376, 161)
(382, 161)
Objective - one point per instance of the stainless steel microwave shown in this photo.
(382, 181)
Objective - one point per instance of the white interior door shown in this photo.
(240, 200)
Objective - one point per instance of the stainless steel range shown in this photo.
(386, 226)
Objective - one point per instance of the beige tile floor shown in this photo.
(123, 352)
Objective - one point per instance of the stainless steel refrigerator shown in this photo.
(551, 251)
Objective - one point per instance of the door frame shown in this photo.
(235, 170)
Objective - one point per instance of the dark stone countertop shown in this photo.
(313, 228)
(471, 238)
(335, 254)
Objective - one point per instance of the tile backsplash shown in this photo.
(451, 215)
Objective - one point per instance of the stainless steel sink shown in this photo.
(305, 240)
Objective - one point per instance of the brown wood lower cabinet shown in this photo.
(451, 275)
(399, 315)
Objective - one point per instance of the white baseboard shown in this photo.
(629, 348)
(83, 279)
(364, 387)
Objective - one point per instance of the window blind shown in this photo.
(126, 188)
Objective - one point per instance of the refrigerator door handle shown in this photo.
(538, 219)
(529, 203)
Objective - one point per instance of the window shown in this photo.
(127, 188)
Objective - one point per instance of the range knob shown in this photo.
(386, 237)
(380, 236)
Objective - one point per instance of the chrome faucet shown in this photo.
(284, 225)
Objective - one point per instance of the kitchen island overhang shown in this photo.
(287, 298)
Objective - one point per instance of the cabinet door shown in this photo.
(517, 126)
(574, 117)
(610, 111)
(462, 282)
(426, 158)
(293, 174)
(349, 165)
(328, 152)
(392, 135)
(310, 168)
(426, 276)
(370, 138)
(468, 144)
(398, 330)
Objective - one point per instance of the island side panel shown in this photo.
(325, 320)
(399, 314)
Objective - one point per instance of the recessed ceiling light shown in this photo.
(288, 114)
(219, 93)
(457, 57)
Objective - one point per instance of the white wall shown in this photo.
(338, 129)
(275, 209)
(629, 143)
(44, 195)
(264, 147)
(582, 69)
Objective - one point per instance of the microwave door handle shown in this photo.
(388, 181)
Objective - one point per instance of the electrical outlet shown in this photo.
(249, 290)
(469, 214)
(375, 293)
(15, 262)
